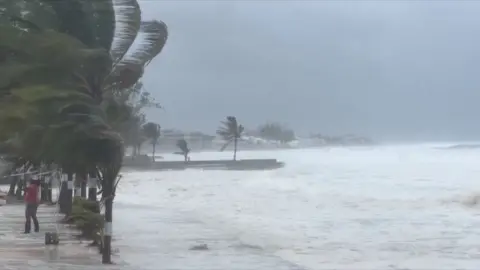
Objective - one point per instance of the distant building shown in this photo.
(197, 141)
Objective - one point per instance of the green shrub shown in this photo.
(87, 218)
(86, 204)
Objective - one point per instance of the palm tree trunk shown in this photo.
(92, 186)
(235, 148)
(81, 183)
(83, 187)
(78, 185)
(20, 187)
(13, 184)
(49, 189)
(61, 197)
(69, 195)
(107, 231)
(43, 189)
(153, 151)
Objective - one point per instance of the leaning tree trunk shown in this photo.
(13, 184)
(21, 185)
(235, 148)
(107, 194)
(20, 188)
(43, 189)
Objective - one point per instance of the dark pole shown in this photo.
(43, 190)
(107, 232)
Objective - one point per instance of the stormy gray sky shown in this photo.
(387, 69)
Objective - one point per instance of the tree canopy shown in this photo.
(276, 132)
(70, 94)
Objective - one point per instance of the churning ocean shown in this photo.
(388, 207)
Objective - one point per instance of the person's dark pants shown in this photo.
(31, 214)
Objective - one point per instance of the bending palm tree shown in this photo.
(67, 115)
(152, 132)
(183, 145)
(230, 131)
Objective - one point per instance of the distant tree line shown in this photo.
(276, 132)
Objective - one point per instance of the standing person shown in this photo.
(31, 205)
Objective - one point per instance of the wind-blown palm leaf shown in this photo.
(30, 14)
(128, 18)
(105, 22)
(75, 20)
(225, 145)
(230, 131)
(153, 36)
(46, 58)
(91, 22)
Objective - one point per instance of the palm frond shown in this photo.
(225, 145)
(74, 19)
(128, 20)
(152, 39)
(104, 21)
(230, 129)
(154, 35)
(183, 145)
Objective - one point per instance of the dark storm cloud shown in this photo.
(392, 69)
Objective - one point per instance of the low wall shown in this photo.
(244, 164)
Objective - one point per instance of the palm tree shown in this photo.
(230, 131)
(152, 132)
(73, 128)
(183, 145)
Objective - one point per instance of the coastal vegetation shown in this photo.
(270, 135)
(71, 97)
(183, 145)
(72, 100)
(275, 132)
(152, 132)
(230, 131)
(86, 217)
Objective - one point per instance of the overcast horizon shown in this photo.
(397, 70)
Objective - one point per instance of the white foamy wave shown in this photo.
(357, 208)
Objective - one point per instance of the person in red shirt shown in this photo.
(31, 205)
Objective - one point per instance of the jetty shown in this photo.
(239, 165)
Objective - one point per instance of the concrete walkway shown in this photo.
(28, 251)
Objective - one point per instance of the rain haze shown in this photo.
(356, 147)
(396, 70)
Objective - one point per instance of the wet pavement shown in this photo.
(28, 251)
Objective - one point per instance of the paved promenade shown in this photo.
(28, 251)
